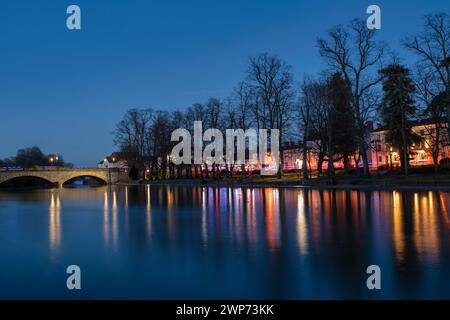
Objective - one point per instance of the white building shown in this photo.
(112, 162)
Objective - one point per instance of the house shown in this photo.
(115, 160)
(382, 154)
(292, 156)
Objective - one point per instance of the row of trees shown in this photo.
(33, 157)
(264, 100)
(363, 81)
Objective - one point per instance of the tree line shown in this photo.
(363, 81)
(34, 157)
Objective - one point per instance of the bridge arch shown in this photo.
(13, 178)
(62, 175)
(100, 178)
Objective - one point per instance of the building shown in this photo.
(115, 160)
(292, 156)
(382, 154)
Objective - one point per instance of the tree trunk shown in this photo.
(436, 148)
(304, 163)
(356, 158)
(365, 161)
(346, 161)
(206, 170)
(280, 166)
(448, 110)
(405, 145)
(320, 161)
(331, 172)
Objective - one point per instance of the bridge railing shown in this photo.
(54, 168)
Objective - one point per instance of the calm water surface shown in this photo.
(240, 243)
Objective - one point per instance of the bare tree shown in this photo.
(159, 134)
(214, 116)
(178, 121)
(130, 134)
(432, 107)
(433, 48)
(239, 111)
(196, 112)
(353, 52)
(271, 81)
(213, 113)
(243, 99)
(305, 116)
(322, 124)
(313, 119)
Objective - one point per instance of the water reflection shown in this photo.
(302, 225)
(397, 222)
(272, 206)
(115, 226)
(280, 243)
(106, 217)
(148, 213)
(425, 232)
(55, 221)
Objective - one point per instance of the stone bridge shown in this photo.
(62, 175)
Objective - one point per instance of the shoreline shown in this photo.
(419, 183)
(290, 184)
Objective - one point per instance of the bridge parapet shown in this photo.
(61, 175)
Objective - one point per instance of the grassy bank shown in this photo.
(344, 181)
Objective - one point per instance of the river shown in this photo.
(164, 242)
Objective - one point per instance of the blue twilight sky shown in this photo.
(65, 90)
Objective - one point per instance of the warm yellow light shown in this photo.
(113, 159)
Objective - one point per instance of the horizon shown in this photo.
(67, 96)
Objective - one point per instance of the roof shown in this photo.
(421, 122)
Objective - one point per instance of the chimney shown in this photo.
(369, 125)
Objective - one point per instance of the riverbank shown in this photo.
(387, 182)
